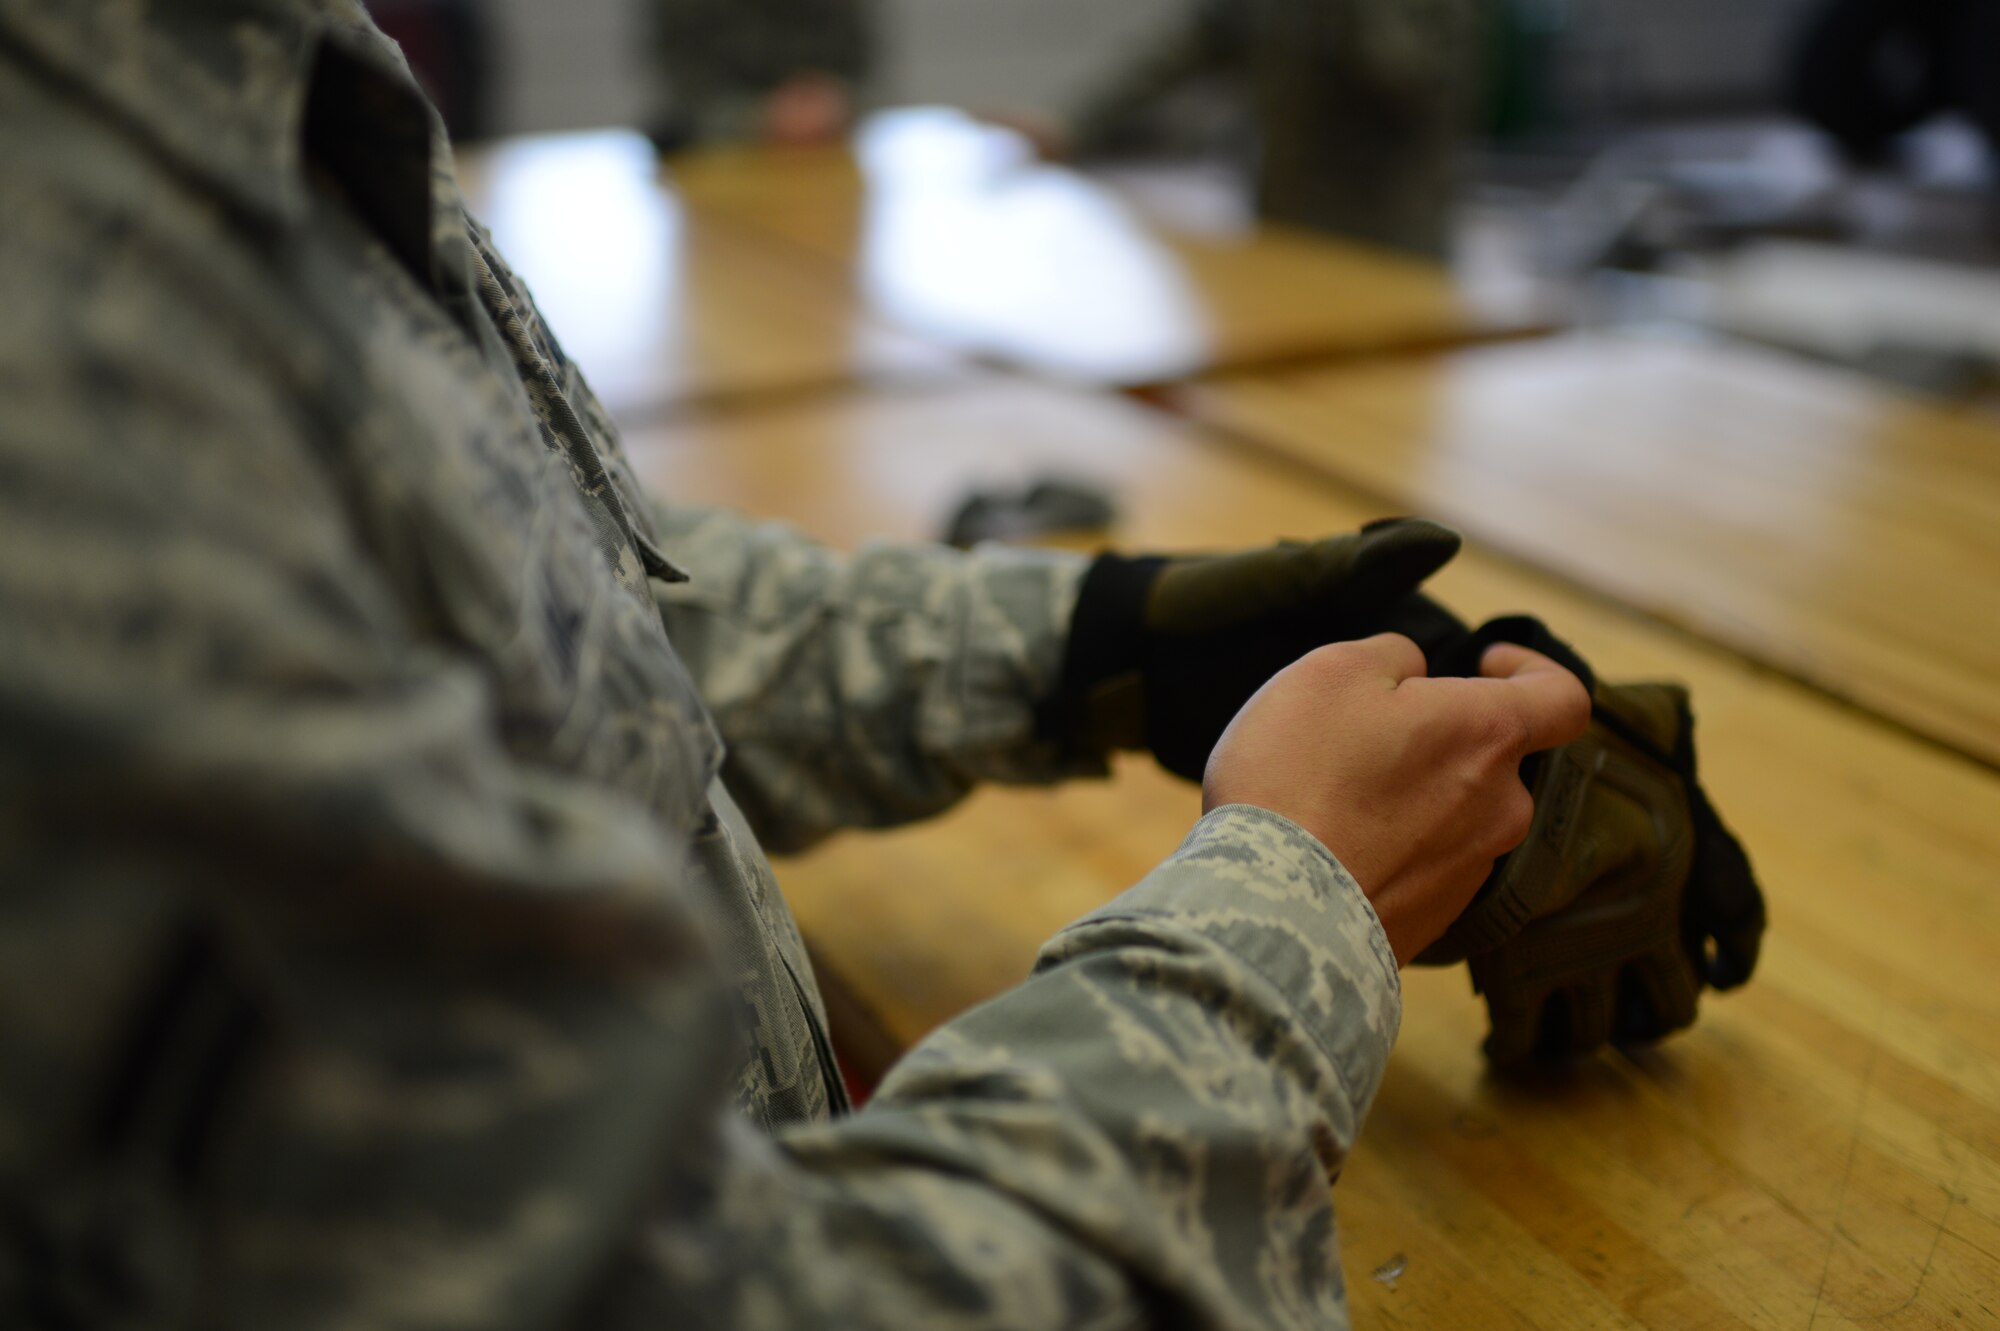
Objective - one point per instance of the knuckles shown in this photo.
(1335, 664)
(1499, 733)
(1384, 657)
(1576, 716)
(1513, 816)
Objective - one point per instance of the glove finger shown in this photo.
(1735, 955)
(1515, 1010)
(1724, 954)
(1722, 920)
(1657, 995)
(1544, 1020)
(1464, 656)
(1725, 908)
(1388, 559)
(1435, 630)
(1589, 1006)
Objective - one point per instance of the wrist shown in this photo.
(1099, 700)
(1108, 627)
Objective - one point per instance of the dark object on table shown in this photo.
(1046, 507)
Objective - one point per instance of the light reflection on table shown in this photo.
(950, 227)
(967, 238)
(657, 302)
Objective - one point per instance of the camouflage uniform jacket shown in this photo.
(384, 941)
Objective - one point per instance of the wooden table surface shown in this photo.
(1839, 532)
(1822, 1150)
(735, 273)
(660, 304)
(949, 232)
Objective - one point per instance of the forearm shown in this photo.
(865, 689)
(1144, 1131)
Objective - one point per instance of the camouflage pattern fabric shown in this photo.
(382, 943)
(1358, 107)
(718, 59)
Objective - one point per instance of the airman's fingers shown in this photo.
(1392, 656)
(1547, 697)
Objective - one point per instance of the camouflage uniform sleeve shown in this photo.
(865, 689)
(1141, 1134)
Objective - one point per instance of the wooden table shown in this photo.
(953, 232)
(661, 304)
(1835, 531)
(1822, 1150)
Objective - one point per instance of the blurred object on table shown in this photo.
(1051, 510)
(1759, 228)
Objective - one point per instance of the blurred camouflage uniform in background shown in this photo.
(718, 61)
(1358, 108)
(385, 938)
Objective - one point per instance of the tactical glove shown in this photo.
(1628, 894)
(1164, 651)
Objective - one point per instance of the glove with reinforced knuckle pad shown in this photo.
(1628, 895)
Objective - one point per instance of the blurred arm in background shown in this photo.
(783, 71)
(1358, 108)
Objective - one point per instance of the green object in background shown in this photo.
(1522, 100)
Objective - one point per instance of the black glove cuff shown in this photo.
(1107, 631)
(1107, 637)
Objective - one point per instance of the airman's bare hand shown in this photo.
(1413, 783)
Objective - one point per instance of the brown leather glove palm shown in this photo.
(1628, 895)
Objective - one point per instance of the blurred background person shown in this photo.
(1866, 71)
(1354, 112)
(773, 71)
